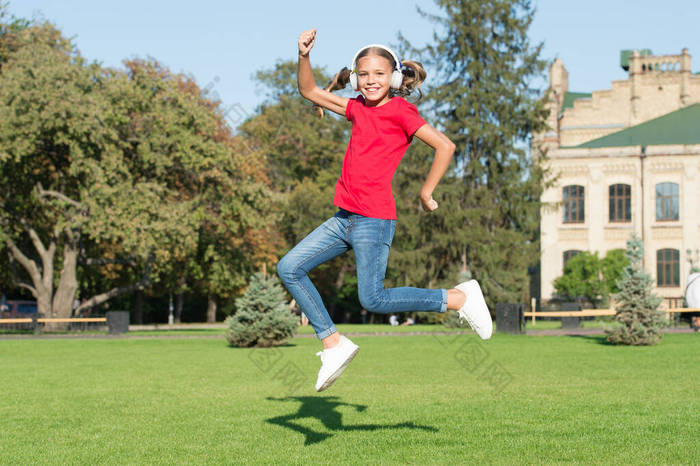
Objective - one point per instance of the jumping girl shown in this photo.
(383, 125)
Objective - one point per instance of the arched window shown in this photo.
(668, 267)
(620, 203)
(666, 201)
(573, 197)
(570, 254)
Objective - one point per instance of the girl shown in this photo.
(383, 124)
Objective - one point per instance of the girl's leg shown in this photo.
(371, 239)
(321, 245)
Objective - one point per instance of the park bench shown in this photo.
(670, 313)
(115, 321)
(37, 323)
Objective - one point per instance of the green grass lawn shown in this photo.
(405, 399)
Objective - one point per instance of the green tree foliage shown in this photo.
(130, 166)
(582, 278)
(613, 265)
(10, 27)
(224, 179)
(587, 276)
(262, 316)
(636, 304)
(487, 223)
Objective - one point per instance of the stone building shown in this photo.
(627, 159)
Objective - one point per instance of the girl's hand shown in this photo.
(429, 204)
(306, 41)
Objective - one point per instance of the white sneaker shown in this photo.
(334, 361)
(474, 310)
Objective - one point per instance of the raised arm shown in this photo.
(444, 148)
(307, 83)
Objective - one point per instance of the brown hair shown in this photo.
(413, 76)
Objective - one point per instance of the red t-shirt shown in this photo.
(380, 137)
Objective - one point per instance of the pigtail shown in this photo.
(339, 81)
(413, 76)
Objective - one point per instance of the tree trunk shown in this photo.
(211, 309)
(179, 303)
(138, 308)
(68, 283)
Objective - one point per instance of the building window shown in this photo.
(667, 267)
(570, 254)
(620, 203)
(573, 204)
(667, 201)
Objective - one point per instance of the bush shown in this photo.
(636, 305)
(262, 316)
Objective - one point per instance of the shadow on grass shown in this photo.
(268, 348)
(324, 409)
(597, 339)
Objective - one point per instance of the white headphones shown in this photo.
(396, 75)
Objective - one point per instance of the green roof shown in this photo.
(569, 98)
(679, 127)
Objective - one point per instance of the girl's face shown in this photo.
(374, 78)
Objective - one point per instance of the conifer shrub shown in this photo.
(262, 316)
(452, 320)
(636, 306)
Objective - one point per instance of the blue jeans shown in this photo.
(371, 239)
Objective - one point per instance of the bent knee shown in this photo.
(285, 267)
(288, 268)
(372, 303)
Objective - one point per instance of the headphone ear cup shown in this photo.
(353, 80)
(396, 79)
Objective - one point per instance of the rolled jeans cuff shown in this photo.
(326, 333)
(443, 308)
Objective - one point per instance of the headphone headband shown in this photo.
(396, 58)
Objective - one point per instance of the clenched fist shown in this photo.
(306, 41)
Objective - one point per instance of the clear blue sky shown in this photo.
(222, 43)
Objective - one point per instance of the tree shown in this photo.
(636, 304)
(262, 316)
(483, 65)
(124, 165)
(48, 116)
(233, 236)
(587, 276)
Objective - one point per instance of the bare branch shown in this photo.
(103, 297)
(35, 238)
(28, 287)
(44, 193)
(28, 264)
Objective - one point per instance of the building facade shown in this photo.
(625, 160)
